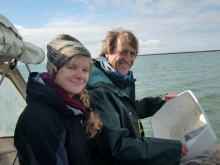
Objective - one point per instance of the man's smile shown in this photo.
(125, 65)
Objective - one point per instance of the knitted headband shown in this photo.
(63, 47)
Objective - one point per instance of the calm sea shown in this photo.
(175, 73)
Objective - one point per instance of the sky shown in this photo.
(161, 26)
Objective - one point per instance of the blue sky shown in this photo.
(161, 26)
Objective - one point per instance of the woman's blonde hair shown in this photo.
(93, 124)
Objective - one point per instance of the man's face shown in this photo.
(123, 56)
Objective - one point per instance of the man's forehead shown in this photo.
(121, 48)
(122, 43)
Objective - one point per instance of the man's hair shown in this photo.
(109, 42)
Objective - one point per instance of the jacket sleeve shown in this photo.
(114, 142)
(40, 138)
(148, 106)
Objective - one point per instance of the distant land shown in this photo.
(170, 53)
(179, 52)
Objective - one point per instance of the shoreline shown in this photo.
(171, 53)
(179, 52)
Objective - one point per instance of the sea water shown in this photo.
(175, 73)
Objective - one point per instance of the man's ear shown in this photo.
(107, 55)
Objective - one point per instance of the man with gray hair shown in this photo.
(111, 88)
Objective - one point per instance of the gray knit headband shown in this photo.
(63, 47)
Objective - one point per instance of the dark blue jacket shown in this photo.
(47, 132)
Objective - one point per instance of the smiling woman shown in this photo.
(50, 130)
(73, 76)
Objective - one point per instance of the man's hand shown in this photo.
(169, 96)
(184, 150)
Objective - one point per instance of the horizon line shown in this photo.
(179, 52)
(171, 53)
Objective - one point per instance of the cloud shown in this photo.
(89, 34)
(168, 7)
(209, 2)
(3, 11)
(55, 14)
(164, 26)
(85, 2)
(152, 43)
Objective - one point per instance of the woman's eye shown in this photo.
(71, 68)
(86, 70)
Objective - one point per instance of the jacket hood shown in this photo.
(37, 90)
(96, 75)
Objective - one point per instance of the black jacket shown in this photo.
(47, 132)
(120, 141)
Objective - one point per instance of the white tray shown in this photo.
(183, 118)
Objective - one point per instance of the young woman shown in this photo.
(50, 130)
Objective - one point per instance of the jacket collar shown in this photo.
(37, 90)
(99, 74)
(99, 78)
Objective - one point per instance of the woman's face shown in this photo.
(74, 76)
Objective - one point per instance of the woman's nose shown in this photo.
(79, 74)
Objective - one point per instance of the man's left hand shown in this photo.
(169, 96)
